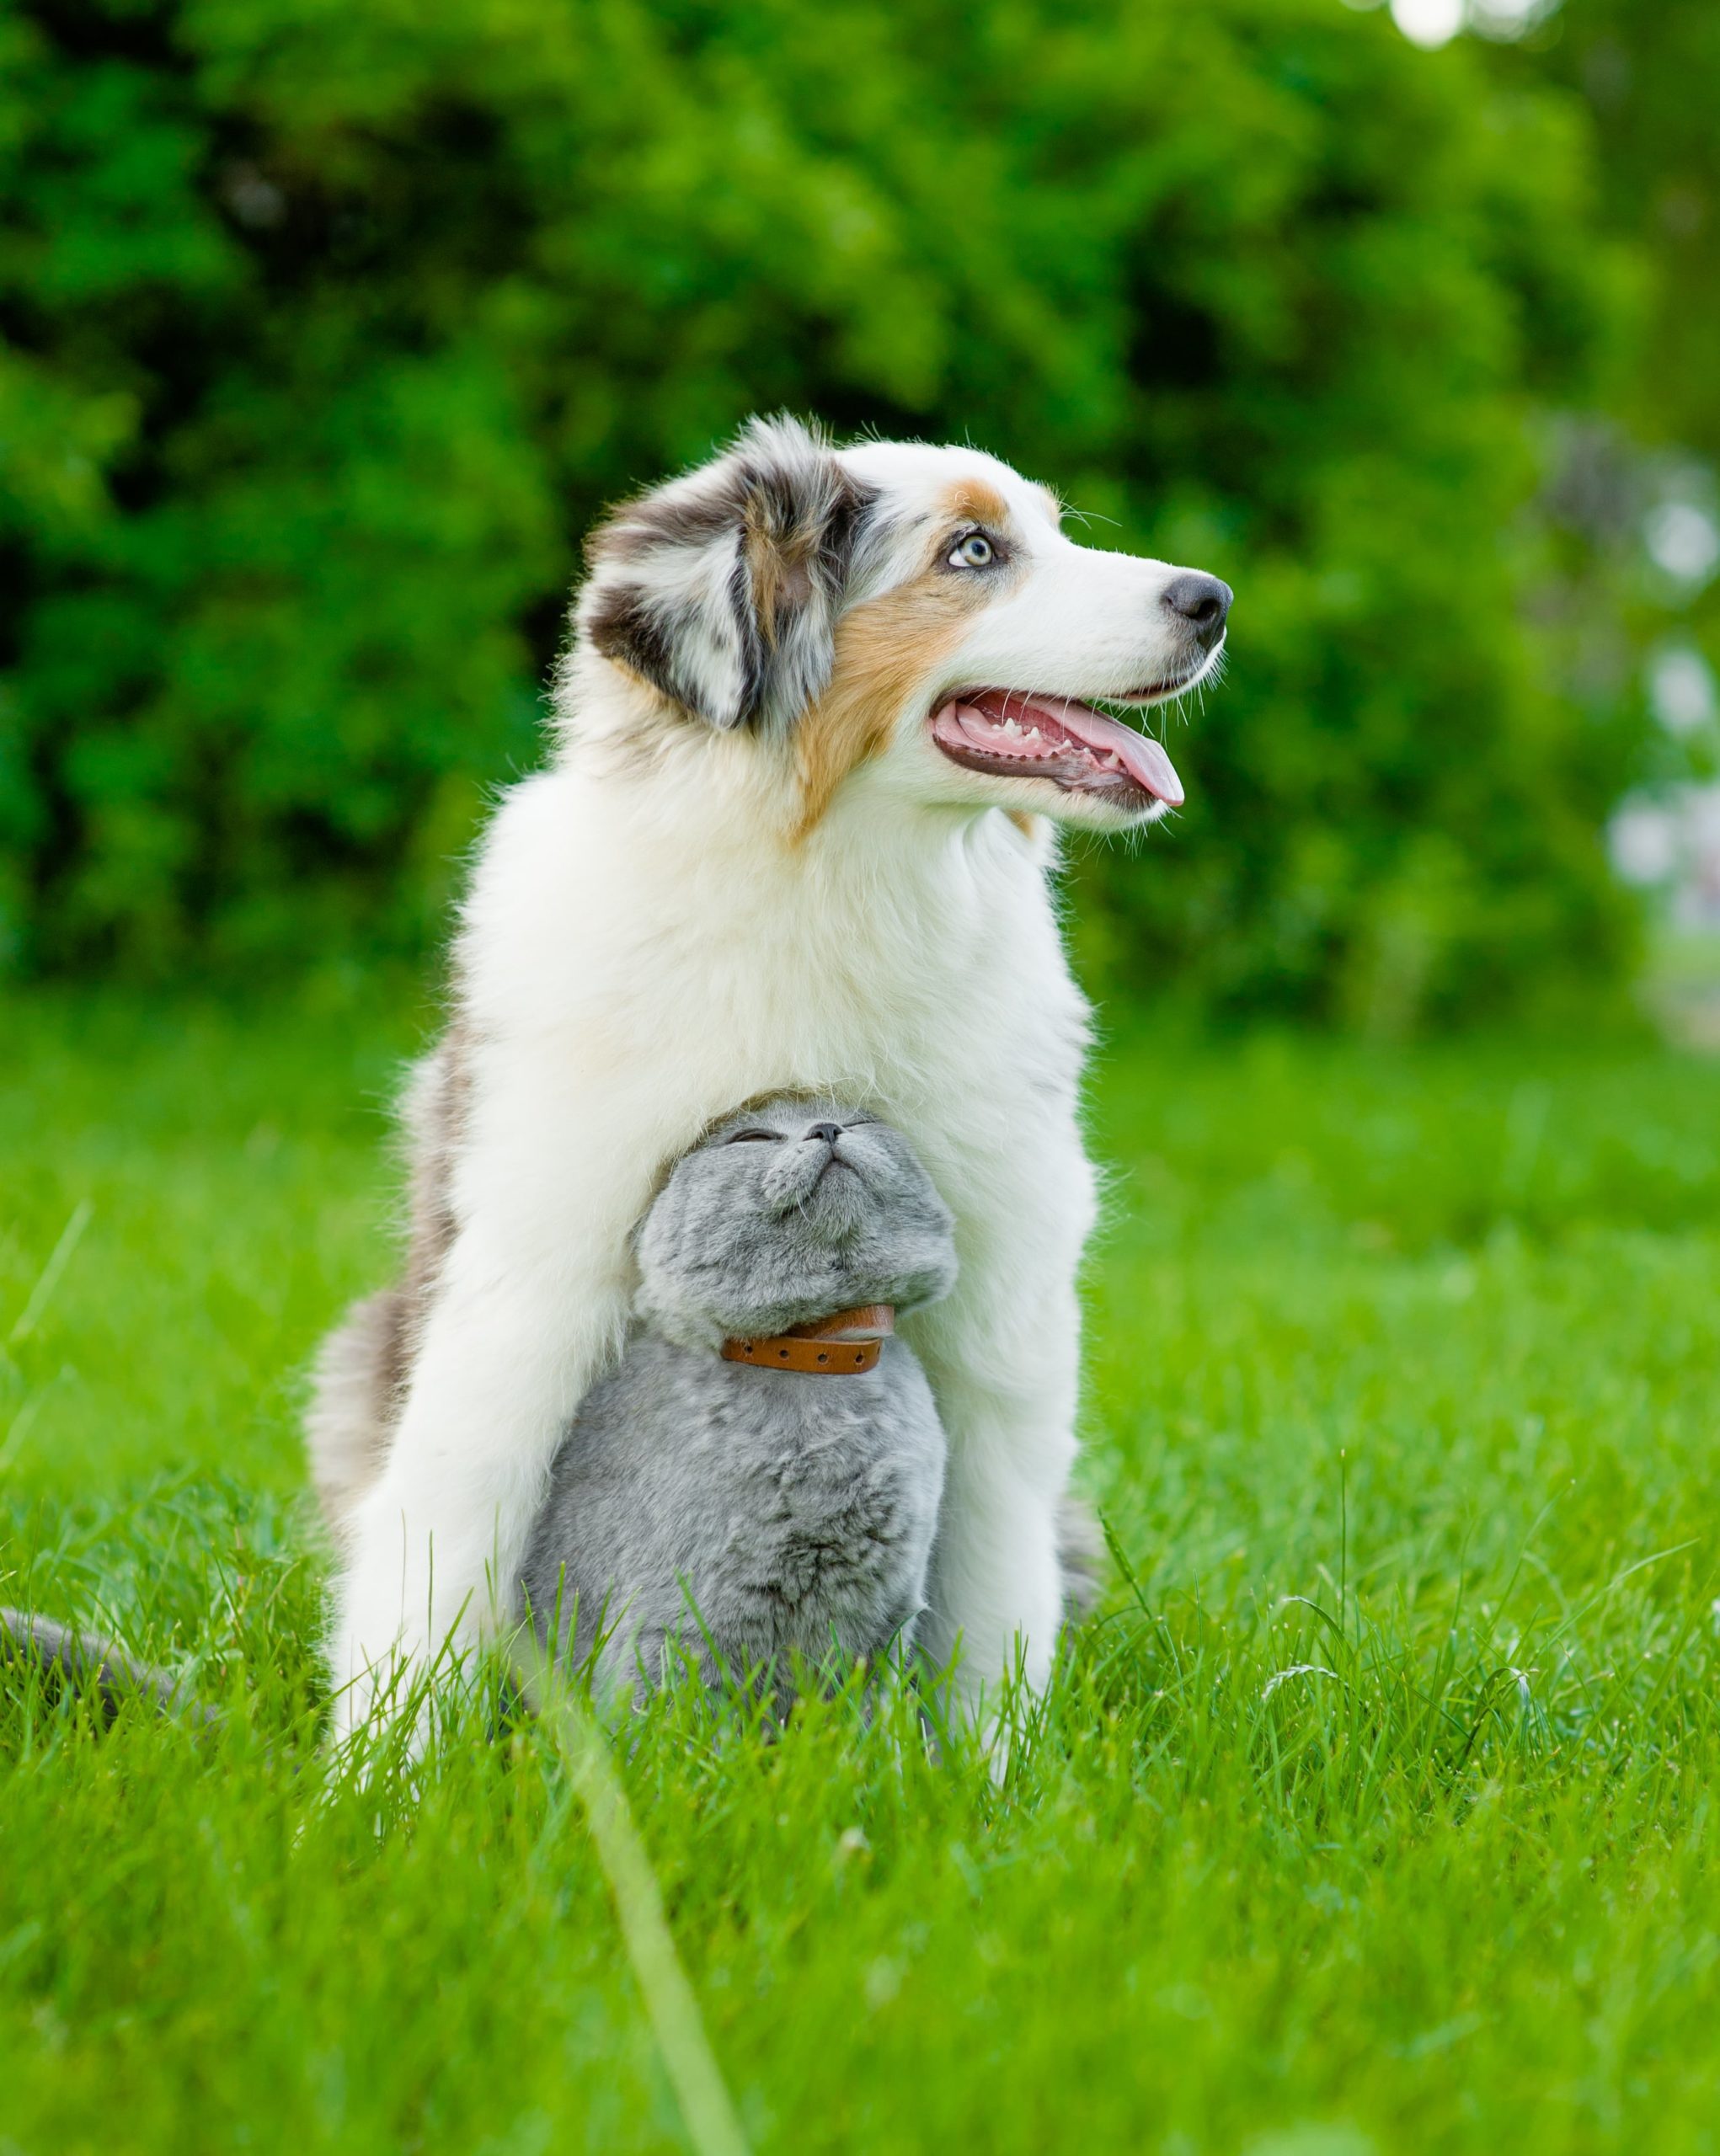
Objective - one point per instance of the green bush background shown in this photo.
(327, 325)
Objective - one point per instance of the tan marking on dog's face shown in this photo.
(972, 501)
(886, 651)
(890, 649)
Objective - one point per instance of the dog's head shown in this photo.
(915, 611)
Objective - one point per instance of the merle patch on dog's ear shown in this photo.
(723, 589)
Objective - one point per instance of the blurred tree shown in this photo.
(329, 323)
(1650, 78)
(1643, 492)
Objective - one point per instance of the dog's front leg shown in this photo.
(530, 1303)
(1003, 1356)
(995, 1597)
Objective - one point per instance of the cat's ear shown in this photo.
(723, 589)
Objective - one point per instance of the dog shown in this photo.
(820, 712)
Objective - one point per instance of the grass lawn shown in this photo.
(1377, 1814)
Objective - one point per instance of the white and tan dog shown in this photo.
(818, 704)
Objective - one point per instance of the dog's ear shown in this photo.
(723, 589)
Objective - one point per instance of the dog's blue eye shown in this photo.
(976, 551)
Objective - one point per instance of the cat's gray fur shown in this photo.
(717, 1510)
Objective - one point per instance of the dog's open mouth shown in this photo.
(1013, 735)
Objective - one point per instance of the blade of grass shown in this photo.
(706, 2110)
(48, 1279)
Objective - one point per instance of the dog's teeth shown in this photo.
(1009, 727)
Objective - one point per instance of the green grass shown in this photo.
(1377, 1814)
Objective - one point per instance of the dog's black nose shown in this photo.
(1202, 602)
(829, 1132)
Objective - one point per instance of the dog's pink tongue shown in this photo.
(1142, 757)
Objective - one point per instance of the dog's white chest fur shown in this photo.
(633, 981)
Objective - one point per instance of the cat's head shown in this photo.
(790, 1211)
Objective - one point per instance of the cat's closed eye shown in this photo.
(753, 1137)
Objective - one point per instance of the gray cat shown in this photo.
(735, 1491)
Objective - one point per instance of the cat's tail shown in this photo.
(62, 1656)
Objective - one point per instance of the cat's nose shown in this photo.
(829, 1132)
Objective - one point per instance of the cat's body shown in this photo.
(746, 1514)
(738, 1514)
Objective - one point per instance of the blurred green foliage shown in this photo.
(328, 327)
(1649, 78)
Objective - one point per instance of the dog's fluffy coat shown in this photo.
(748, 869)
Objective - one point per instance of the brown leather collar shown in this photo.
(837, 1346)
